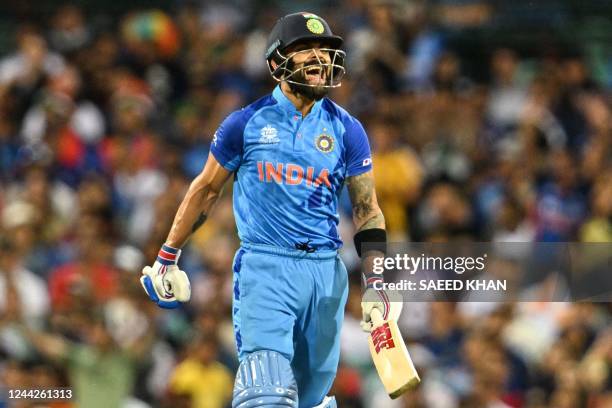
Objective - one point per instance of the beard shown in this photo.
(315, 93)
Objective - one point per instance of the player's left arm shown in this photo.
(370, 242)
(366, 212)
(370, 236)
(367, 216)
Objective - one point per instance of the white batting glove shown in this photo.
(164, 282)
(389, 304)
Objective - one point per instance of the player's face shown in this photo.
(311, 63)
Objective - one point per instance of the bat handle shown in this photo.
(377, 317)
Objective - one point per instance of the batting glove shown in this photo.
(389, 304)
(164, 282)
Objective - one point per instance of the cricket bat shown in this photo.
(391, 357)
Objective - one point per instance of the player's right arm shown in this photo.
(164, 282)
(199, 200)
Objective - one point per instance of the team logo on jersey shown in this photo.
(324, 143)
(315, 26)
(269, 135)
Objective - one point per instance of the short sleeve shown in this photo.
(227, 144)
(358, 155)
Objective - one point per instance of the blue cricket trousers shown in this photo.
(292, 302)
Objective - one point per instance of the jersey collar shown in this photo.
(286, 104)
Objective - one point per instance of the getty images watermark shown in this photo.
(424, 263)
(496, 272)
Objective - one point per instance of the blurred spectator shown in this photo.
(463, 14)
(88, 280)
(397, 190)
(31, 62)
(69, 29)
(21, 286)
(100, 372)
(598, 228)
(511, 224)
(208, 382)
(443, 208)
(561, 205)
(33, 236)
(507, 94)
(190, 125)
(446, 334)
(85, 119)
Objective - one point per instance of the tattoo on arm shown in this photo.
(201, 219)
(377, 221)
(361, 190)
(366, 212)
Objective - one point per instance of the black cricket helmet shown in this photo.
(298, 28)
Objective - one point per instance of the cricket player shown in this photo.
(290, 153)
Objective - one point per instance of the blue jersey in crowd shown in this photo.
(290, 169)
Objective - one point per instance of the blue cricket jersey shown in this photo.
(289, 169)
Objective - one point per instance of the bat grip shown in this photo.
(376, 317)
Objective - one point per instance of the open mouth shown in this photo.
(314, 75)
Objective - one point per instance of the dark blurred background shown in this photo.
(489, 121)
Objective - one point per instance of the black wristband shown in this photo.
(374, 238)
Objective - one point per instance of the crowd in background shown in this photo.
(479, 131)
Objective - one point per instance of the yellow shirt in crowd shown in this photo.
(397, 177)
(210, 386)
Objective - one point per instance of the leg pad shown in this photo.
(265, 379)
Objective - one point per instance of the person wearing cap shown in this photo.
(290, 152)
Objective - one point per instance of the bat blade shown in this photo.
(391, 358)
